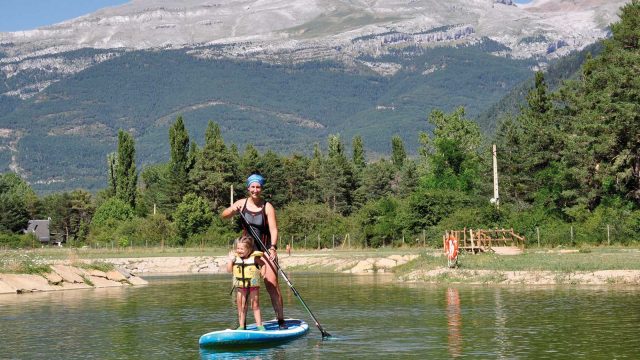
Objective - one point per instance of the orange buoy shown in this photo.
(451, 247)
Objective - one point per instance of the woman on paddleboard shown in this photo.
(261, 216)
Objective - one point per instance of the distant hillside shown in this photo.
(67, 129)
(559, 70)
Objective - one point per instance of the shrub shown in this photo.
(192, 216)
(111, 211)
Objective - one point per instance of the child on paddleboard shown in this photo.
(247, 267)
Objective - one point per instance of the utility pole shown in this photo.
(496, 197)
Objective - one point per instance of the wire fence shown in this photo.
(539, 236)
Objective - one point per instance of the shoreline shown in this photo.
(130, 271)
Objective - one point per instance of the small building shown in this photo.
(41, 229)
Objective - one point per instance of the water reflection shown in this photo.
(502, 334)
(454, 322)
(275, 354)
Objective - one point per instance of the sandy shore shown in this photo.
(217, 264)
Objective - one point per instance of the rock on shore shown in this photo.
(65, 277)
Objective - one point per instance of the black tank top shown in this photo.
(260, 224)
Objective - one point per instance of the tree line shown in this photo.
(570, 158)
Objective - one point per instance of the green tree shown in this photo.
(179, 163)
(70, 215)
(156, 230)
(271, 166)
(376, 222)
(358, 156)
(377, 181)
(16, 197)
(112, 211)
(398, 153)
(311, 221)
(313, 174)
(153, 185)
(192, 216)
(602, 112)
(112, 164)
(407, 179)
(126, 175)
(336, 180)
(453, 152)
(213, 173)
(297, 183)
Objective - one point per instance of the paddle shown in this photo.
(284, 276)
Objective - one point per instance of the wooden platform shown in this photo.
(500, 241)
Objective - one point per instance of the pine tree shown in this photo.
(314, 170)
(453, 152)
(603, 115)
(398, 153)
(126, 175)
(336, 180)
(179, 163)
(213, 172)
(112, 164)
(271, 166)
(358, 157)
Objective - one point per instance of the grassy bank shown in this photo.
(535, 259)
(565, 260)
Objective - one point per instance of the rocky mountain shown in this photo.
(299, 68)
(302, 30)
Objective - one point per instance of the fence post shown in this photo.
(608, 234)
(424, 239)
(572, 235)
(318, 241)
(538, 235)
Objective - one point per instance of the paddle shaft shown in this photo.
(274, 265)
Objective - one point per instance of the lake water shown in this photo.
(370, 317)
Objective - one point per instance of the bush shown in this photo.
(220, 233)
(310, 220)
(192, 216)
(155, 230)
(376, 223)
(18, 241)
(111, 211)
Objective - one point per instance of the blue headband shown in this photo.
(255, 178)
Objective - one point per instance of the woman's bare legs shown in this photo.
(271, 284)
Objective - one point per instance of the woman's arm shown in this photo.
(232, 210)
(273, 224)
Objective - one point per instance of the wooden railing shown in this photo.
(477, 240)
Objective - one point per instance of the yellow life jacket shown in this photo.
(246, 272)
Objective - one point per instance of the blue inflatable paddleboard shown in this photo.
(251, 336)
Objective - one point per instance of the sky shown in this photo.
(18, 15)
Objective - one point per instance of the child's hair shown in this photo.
(244, 240)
